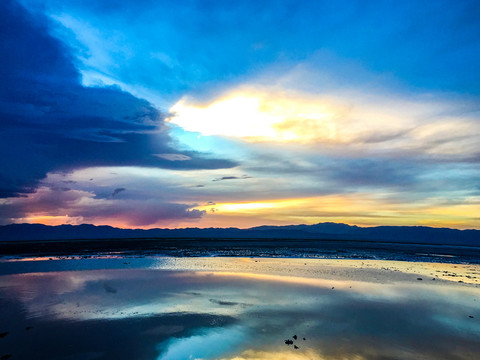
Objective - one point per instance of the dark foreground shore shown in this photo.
(296, 248)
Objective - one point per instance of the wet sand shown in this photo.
(376, 271)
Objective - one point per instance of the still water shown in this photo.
(156, 313)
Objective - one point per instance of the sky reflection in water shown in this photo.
(173, 315)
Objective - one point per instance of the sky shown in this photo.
(146, 114)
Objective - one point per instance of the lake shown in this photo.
(166, 308)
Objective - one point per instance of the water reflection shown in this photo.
(174, 315)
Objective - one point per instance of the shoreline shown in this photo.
(263, 248)
(373, 271)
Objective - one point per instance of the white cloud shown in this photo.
(352, 119)
(211, 344)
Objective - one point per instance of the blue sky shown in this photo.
(244, 113)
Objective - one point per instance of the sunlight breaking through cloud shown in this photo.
(352, 117)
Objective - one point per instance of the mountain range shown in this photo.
(321, 231)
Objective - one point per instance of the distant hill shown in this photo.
(325, 231)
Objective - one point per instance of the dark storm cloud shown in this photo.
(226, 303)
(117, 191)
(232, 178)
(50, 122)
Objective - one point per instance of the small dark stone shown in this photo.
(2, 335)
(333, 287)
(470, 316)
(288, 342)
(29, 328)
(419, 279)
(304, 339)
(295, 346)
(295, 337)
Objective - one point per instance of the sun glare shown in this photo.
(257, 116)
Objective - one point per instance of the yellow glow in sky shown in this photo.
(362, 120)
(317, 204)
(252, 206)
(354, 209)
(50, 220)
(258, 116)
(289, 354)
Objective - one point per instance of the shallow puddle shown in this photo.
(160, 312)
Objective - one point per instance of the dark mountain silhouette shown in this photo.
(325, 231)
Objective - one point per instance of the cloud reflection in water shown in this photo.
(165, 315)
